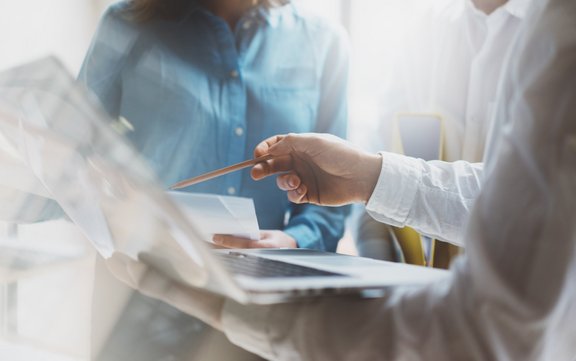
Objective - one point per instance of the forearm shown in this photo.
(433, 197)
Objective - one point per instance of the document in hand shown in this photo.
(217, 214)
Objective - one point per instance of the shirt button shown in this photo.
(231, 191)
(247, 24)
(234, 74)
(239, 131)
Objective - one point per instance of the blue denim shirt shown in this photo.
(199, 96)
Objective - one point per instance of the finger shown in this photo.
(266, 240)
(272, 166)
(299, 195)
(215, 246)
(266, 244)
(288, 182)
(264, 147)
(229, 241)
(279, 145)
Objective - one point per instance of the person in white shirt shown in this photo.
(510, 297)
(449, 66)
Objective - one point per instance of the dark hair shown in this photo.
(145, 10)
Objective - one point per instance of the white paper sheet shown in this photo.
(215, 214)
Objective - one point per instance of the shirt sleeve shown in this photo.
(433, 197)
(106, 57)
(510, 297)
(322, 227)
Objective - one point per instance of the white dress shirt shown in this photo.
(451, 67)
(511, 296)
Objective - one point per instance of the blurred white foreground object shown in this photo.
(104, 186)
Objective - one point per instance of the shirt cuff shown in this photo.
(305, 237)
(396, 189)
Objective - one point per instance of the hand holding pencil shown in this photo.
(318, 168)
(313, 168)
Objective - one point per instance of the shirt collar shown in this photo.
(516, 8)
(270, 15)
(273, 15)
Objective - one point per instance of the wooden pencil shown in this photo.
(219, 172)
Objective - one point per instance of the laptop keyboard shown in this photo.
(259, 267)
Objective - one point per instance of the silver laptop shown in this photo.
(106, 188)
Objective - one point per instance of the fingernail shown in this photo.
(217, 239)
(299, 190)
(291, 182)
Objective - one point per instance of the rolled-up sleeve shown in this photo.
(433, 197)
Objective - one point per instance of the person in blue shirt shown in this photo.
(199, 84)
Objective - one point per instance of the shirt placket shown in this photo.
(233, 110)
(478, 109)
(474, 111)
